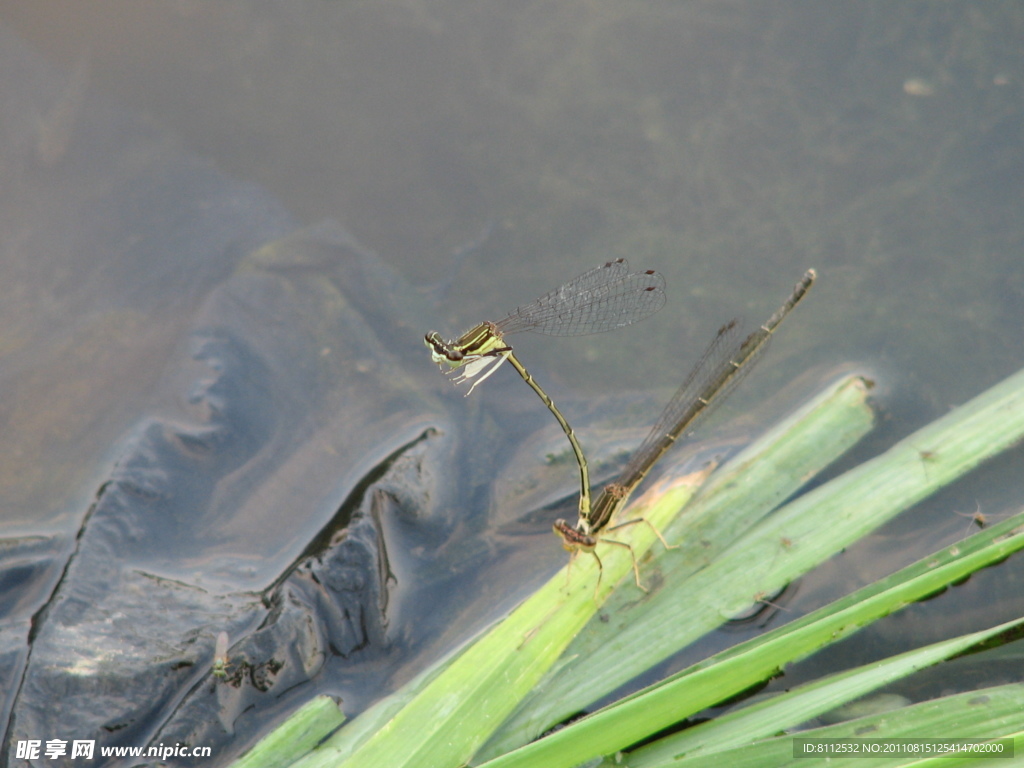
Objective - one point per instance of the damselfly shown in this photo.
(722, 366)
(602, 299)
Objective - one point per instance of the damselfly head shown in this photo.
(573, 539)
(442, 352)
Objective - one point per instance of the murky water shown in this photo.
(148, 150)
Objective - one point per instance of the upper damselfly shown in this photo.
(599, 300)
(722, 366)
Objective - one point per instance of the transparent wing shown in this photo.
(599, 300)
(708, 384)
(724, 364)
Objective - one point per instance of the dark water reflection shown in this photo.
(253, 443)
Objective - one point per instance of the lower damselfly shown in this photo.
(722, 366)
(599, 300)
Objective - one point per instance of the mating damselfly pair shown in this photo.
(602, 299)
